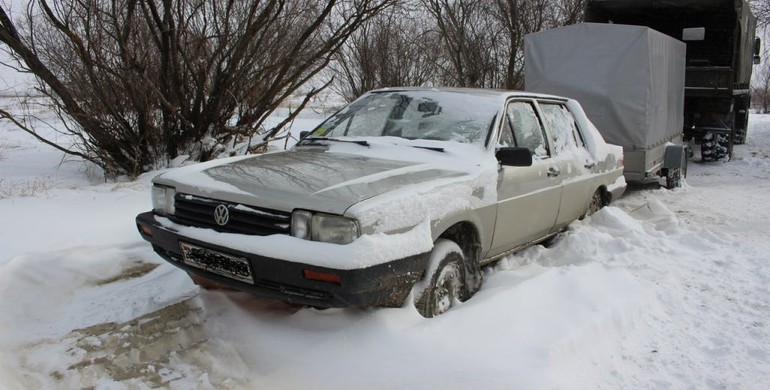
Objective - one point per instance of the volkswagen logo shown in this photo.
(221, 215)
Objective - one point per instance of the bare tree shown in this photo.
(522, 17)
(146, 80)
(396, 48)
(483, 39)
(761, 9)
(468, 37)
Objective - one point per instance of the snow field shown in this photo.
(665, 289)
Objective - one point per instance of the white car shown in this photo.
(403, 191)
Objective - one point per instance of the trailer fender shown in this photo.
(675, 156)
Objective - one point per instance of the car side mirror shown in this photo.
(757, 49)
(303, 134)
(514, 157)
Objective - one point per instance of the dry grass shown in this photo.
(38, 186)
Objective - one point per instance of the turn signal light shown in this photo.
(321, 276)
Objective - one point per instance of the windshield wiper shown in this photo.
(311, 139)
(433, 148)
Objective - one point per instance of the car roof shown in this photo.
(504, 94)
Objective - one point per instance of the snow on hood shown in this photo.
(405, 207)
(393, 183)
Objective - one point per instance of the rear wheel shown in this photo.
(740, 136)
(436, 295)
(714, 147)
(597, 202)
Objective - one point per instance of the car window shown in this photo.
(506, 136)
(431, 115)
(527, 130)
(564, 130)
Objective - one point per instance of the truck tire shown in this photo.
(713, 147)
(437, 294)
(740, 136)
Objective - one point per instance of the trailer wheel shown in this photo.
(674, 176)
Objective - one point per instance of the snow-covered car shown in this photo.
(403, 193)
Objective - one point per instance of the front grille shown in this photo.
(197, 211)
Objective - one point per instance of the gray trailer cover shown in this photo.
(629, 79)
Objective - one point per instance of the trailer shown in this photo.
(630, 81)
(721, 49)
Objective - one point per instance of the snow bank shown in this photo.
(667, 289)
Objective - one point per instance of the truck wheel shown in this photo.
(713, 147)
(438, 294)
(707, 147)
(740, 136)
(722, 144)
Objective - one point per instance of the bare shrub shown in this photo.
(143, 81)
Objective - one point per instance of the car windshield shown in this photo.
(431, 115)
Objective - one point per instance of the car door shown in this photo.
(528, 197)
(572, 160)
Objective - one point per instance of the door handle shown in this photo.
(553, 172)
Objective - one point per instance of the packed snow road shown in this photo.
(665, 289)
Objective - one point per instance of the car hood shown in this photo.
(306, 178)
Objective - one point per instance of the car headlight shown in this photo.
(163, 199)
(324, 227)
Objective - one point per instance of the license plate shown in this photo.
(217, 262)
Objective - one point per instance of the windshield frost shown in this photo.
(432, 115)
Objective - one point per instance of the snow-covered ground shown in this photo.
(665, 289)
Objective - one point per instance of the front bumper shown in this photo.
(386, 284)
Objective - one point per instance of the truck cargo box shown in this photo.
(629, 79)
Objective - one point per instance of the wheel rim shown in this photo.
(447, 289)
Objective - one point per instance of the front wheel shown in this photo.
(436, 295)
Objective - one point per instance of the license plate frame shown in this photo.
(233, 267)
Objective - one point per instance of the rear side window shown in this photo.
(526, 128)
(566, 136)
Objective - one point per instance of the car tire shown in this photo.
(443, 287)
(597, 202)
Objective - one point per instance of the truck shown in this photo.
(630, 80)
(721, 49)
